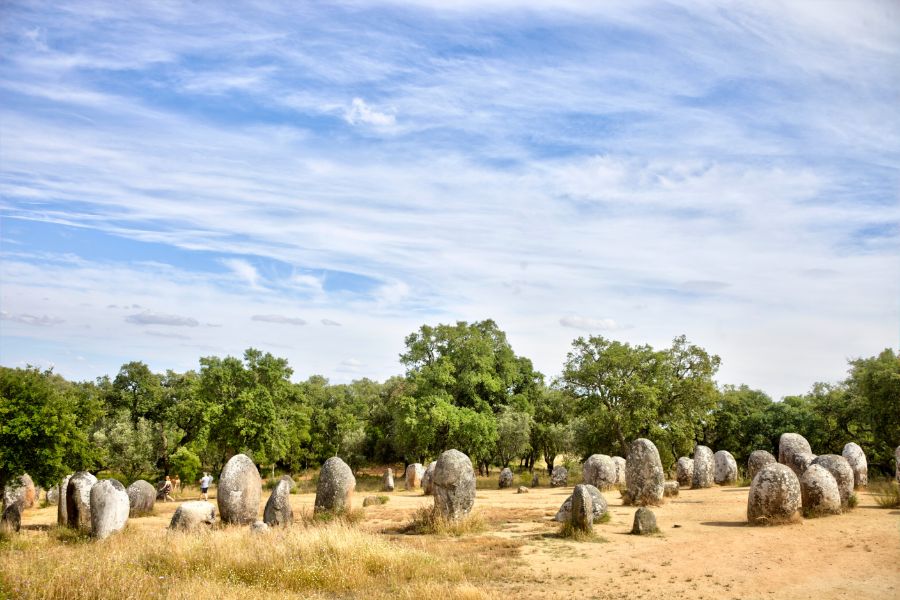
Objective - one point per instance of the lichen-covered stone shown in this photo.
(819, 492)
(725, 468)
(78, 500)
(582, 517)
(600, 506)
(193, 515)
(278, 511)
(599, 470)
(621, 466)
(239, 491)
(774, 496)
(11, 519)
(800, 461)
(644, 522)
(387, 480)
(20, 491)
(789, 445)
(334, 493)
(109, 508)
(259, 527)
(704, 467)
(506, 478)
(671, 488)
(857, 459)
(842, 472)
(61, 508)
(141, 497)
(413, 475)
(644, 474)
(454, 485)
(684, 471)
(53, 495)
(559, 477)
(757, 460)
(522, 490)
(427, 477)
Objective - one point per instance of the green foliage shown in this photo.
(552, 432)
(186, 464)
(513, 434)
(127, 446)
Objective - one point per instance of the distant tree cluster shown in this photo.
(463, 388)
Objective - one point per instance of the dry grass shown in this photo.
(885, 493)
(428, 521)
(332, 560)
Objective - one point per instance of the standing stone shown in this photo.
(801, 461)
(599, 470)
(454, 485)
(61, 510)
(704, 467)
(78, 500)
(725, 468)
(109, 508)
(644, 474)
(414, 474)
(11, 519)
(387, 480)
(671, 488)
(427, 478)
(239, 491)
(336, 484)
(20, 491)
(582, 518)
(278, 511)
(684, 471)
(53, 495)
(758, 459)
(506, 478)
(644, 522)
(790, 445)
(857, 459)
(819, 492)
(535, 480)
(600, 506)
(141, 497)
(774, 496)
(842, 473)
(559, 477)
(193, 515)
(621, 465)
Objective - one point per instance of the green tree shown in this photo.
(873, 387)
(186, 464)
(552, 432)
(513, 435)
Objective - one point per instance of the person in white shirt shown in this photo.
(205, 482)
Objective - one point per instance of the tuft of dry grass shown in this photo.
(428, 521)
(567, 531)
(885, 493)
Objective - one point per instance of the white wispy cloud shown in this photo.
(27, 319)
(360, 112)
(589, 324)
(281, 319)
(152, 318)
(330, 323)
(243, 270)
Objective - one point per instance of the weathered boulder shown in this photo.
(11, 519)
(453, 485)
(141, 497)
(61, 508)
(53, 495)
(387, 480)
(644, 474)
(842, 473)
(599, 504)
(334, 493)
(522, 490)
(259, 527)
(427, 487)
(684, 471)
(239, 492)
(193, 515)
(789, 445)
(599, 470)
(535, 480)
(644, 522)
(621, 465)
(726, 472)
(757, 460)
(20, 491)
(704, 467)
(774, 496)
(857, 459)
(819, 492)
(109, 508)
(506, 478)
(78, 500)
(414, 474)
(800, 461)
(559, 477)
(582, 517)
(671, 488)
(278, 511)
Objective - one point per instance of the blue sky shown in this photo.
(179, 179)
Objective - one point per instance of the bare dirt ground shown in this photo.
(704, 550)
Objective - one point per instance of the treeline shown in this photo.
(463, 387)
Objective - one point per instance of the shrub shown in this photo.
(428, 521)
(885, 493)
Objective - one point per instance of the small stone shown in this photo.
(842, 472)
(239, 491)
(819, 492)
(336, 484)
(600, 506)
(559, 477)
(193, 515)
(725, 468)
(387, 480)
(506, 478)
(671, 488)
(758, 459)
(259, 527)
(582, 509)
(599, 470)
(522, 490)
(644, 522)
(644, 473)
(774, 496)
(413, 476)
(278, 511)
(454, 485)
(427, 487)
(684, 472)
(789, 445)
(704, 467)
(109, 508)
(78, 500)
(141, 497)
(857, 459)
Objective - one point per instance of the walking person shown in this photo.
(205, 482)
(166, 490)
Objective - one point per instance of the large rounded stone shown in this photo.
(582, 517)
(774, 496)
(790, 445)
(413, 475)
(621, 465)
(704, 467)
(599, 470)
(757, 460)
(427, 487)
(109, 508)
(725, 468)
(819, 492)
(684, 471)
(141, 497)
(800, 461)
(336, 484)
(559, 477)
(644, 474)
(644, 522)
(278, 511)
(600, 506)
(61, 509)
(857, 459)
(20, 491)
(842, 473)
(506, 478)
(387, 480)
(11, 519)
(78, 500)
(454, 485)
(239, 491)
(193, 515)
